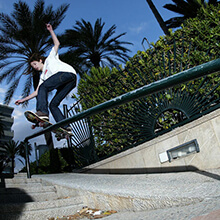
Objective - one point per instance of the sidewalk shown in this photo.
(207, 210)
(182, 195)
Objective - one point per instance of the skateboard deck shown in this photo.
(60, 133)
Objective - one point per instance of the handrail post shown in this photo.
(27, 160)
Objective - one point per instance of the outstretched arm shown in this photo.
(54, 37)
(31, 96)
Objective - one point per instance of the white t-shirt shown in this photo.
(53, 65)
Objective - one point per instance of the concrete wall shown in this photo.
(147, 157)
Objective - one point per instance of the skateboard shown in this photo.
(60, 133)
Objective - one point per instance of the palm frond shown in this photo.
(93, 46)
(187, 8)
(11, 90)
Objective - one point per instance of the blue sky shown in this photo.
(131, 16)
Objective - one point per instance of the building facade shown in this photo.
(7, 122)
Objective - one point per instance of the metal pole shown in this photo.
(65, 111)
(36, 156)
(27, 160)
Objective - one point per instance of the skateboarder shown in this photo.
(55, 74)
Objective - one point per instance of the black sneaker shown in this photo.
(42, 115)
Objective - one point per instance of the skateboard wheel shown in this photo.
(33, 126)
(41, 124)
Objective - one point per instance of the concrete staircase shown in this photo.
(25, 199)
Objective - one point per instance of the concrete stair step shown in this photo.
(28, 189)
(20, 196)
(22, 181)
(40, 210)
(27, 192)
(25, 199)
(19, 182)
(24, 186)
(37, 206)
(20, 175)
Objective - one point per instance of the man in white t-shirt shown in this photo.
(55, 75)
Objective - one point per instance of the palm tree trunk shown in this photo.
(158, 17)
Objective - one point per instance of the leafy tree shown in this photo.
(12, 150)
(187, 8)
(45, 166)
(22, 34)
(98, 86)
(88, 46)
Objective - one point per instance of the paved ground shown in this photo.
(209, 209)
(178, 196)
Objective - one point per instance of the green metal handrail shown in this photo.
(181, 77)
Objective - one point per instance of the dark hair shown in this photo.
(36, 57)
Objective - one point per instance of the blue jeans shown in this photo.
(63, 82)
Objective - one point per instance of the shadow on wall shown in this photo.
(151, 171)
(12, 201)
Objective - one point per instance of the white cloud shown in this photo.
(139, 28)
(17, 114)
(2, 90)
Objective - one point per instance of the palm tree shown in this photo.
(187, 8)
(12, 150)
(158, 17)
(22, 34)
(88, 46)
